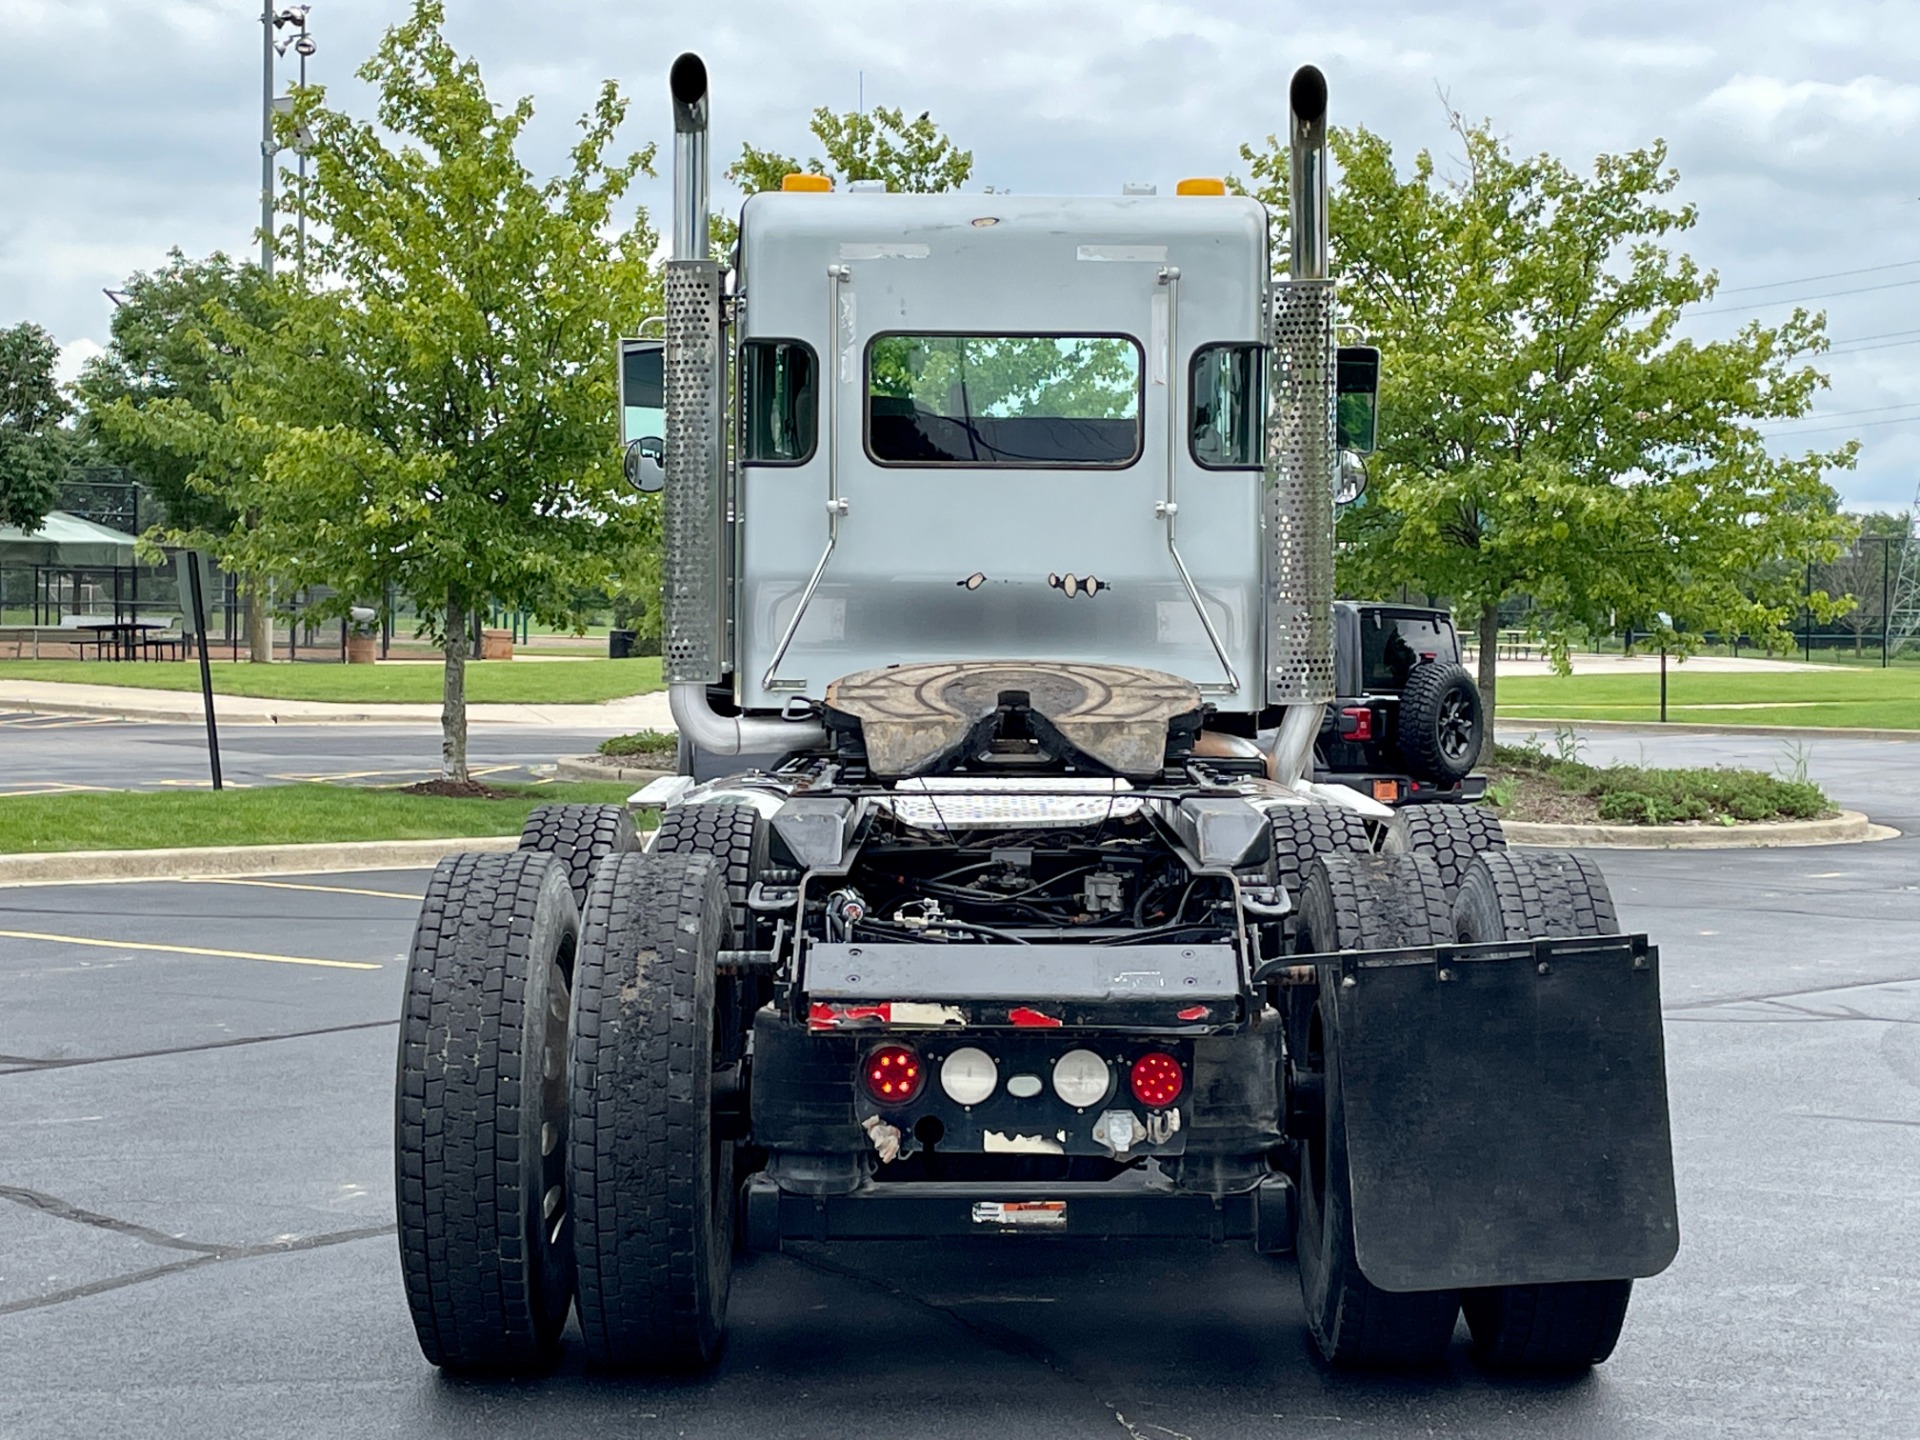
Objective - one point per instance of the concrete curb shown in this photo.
(1849, 827)
(74, 867)
(574, 767)
(1685, 727)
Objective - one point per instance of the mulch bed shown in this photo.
(455, 790)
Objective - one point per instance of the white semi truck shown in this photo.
(998, 897)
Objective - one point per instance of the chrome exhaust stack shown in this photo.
(1307, 174)
(1302, 452)
(697, 541)
(688, 83)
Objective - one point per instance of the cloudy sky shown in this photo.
(127, 128)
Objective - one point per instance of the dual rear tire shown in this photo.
(555, 1142)
(1385, 902)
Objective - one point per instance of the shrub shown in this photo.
(642, 742)
(1643, 795)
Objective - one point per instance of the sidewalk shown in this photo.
(635, 712)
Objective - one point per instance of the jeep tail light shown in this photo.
(1356, 723)
(893, 1074)
(1157, 1080)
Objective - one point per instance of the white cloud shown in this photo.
(131, 129)
(73, 357)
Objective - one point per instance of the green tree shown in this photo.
(34, 447)
(879, 144)
(437, 413)
(165, 346)
(1546, 431)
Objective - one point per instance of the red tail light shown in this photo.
(1356, 723)
(893, 1074)
(1157, 1080)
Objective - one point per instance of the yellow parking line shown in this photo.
(187, 950)
(290, 885)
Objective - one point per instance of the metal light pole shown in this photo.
(272, 20)
(266, 138)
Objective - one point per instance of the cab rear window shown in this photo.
(1024, 401)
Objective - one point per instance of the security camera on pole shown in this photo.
(301, 43)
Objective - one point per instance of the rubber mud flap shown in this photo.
(1506, 1126)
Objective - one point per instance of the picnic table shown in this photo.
(134, 639)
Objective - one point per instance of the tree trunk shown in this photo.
(1489, 632)
(259, 623)
(453, 709)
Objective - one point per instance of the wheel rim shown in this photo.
(554, 1210)
(1455, 728)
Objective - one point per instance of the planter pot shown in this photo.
(496, 645)
(362, 649)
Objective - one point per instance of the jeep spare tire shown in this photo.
(1441, 722)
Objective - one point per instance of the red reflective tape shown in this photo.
(1195, 1012)
(827, 1017)
(1033, 1019)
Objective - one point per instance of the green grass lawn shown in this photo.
(271, 815)
(575, 682)
(1844, 699)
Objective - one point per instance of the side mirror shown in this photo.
(644, 465)
(1357, 385)
(643, 414)
(1352, 483)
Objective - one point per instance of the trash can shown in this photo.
(619, 644)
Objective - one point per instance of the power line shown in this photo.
(1883, 335)
(1838, 414)
(1829, 429)
(1862, 349)
(1807, 279)
(1801, 299)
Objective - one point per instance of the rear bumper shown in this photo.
(1395, 789)
(1132, 1206)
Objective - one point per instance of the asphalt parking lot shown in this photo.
(196, 1201)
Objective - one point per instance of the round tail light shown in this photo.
(893, 1074)
(969, 1075)
(1081, 1078)
(1157, 1080)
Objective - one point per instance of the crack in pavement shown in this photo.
(61, 1210)
(1010, 1342)
(217, 1256)
(1853, 1119)
(1792, 994)
(27, 1064)
(204, 1252)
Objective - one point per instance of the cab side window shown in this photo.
(781, 402)
(1226, 397)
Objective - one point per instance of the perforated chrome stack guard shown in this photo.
(1302, 462)
(694, 629)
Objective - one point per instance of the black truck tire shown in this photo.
(481, 1113)
(1524, 895)
(1300, 834)
(1452, 834)
(1442, 722)
(1353, 902)
(582, 836)
(735, 835)
(652, 1181)
(1540, 1329)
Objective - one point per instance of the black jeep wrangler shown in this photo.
(1407, 726)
